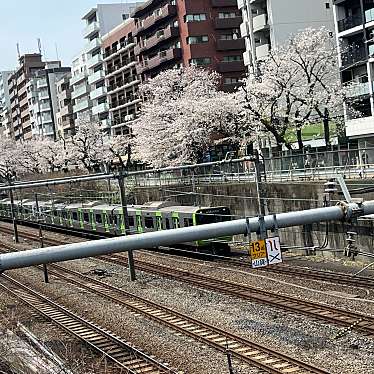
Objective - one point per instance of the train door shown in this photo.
(80, 218)
(175, 219)
(106, 223)
(93, 220)
(121, 222)
(139, 222)
(159, 225)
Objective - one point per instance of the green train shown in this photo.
(109, 219)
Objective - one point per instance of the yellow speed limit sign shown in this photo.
(258, 253)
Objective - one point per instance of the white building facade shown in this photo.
(98, 22)
(354, 22)
(270, 23)
(43, 101)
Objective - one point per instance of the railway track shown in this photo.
(104, 342)
(298, 271)
(360, 322)
(242, 349)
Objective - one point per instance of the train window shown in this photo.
(86, 217)
(176, 222)
(64, 214)
(131, 221)
(148, 222)
(188, 222)
(167, 223)
(75, 216)
(99, 218)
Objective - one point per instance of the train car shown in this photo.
(109, 219)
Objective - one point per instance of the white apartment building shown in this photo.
(43, 101)
(355, 33)
(99, 21)
(80, 94)
(270, 23)
(5, 114)
(4, 89)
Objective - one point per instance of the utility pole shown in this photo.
(260, 197)
(122, 192)
(41, 239)
(229, 360)
(12, 212)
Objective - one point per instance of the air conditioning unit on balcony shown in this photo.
(129, 117)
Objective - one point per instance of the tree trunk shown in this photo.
(326, 127)
(299, 138)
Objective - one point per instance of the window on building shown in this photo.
(226, 37)
(201, 61)
(231, 80)
(232, 58)
(197, 39)
(195, 17)
(227, 15)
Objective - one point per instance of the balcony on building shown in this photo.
(231, 66)
(41, 83)
(43, 95)
(91, 29)
(79, 91)
(81, 105)
(160, 36)
(77, 78)
(99, 92)
(260, 22)
(45, 107)
(124, 102)
(262, 51)
(224, 3)
(92, 45)
(356, 89)
(159, 59)
(46, 118)
(349, 22)
(369, 15)
(359, 127)
(100, 108)
(230, 45)
(94, 61)
(65, 110)
(354, 55)
(95, 77)
(228, 23)
(160, 14)
(122, 84)
(112, 52)
(126, 63)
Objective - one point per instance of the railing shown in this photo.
(352, 164)
(349, 23)
(353, 55)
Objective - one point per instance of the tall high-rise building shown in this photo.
(354, 21)
(43, 101)
(122, 82)
(270, 23)
(64, 117)
(29, 66)
(98, 22)
(4, 89)
(173, 33)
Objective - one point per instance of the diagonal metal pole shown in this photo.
(122, 192)
(12, 212)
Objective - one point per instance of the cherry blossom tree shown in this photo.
(296, 85)
(9, 167)
(182, 114)
(87, 146)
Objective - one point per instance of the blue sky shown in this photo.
(53, 21)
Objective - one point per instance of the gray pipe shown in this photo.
(171, 237)
(101, 176)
